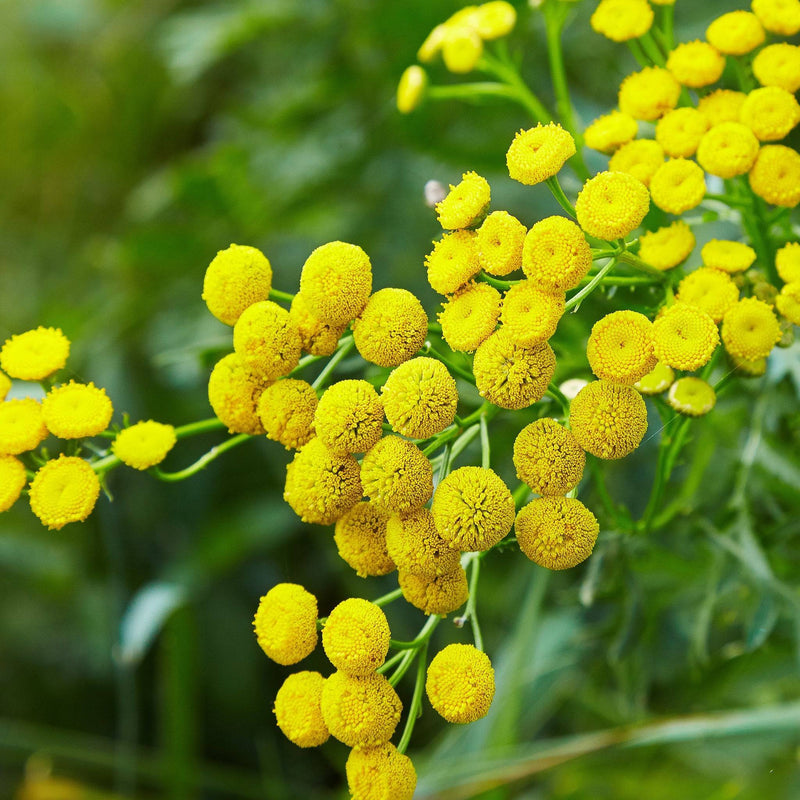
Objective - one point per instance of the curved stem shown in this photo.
(387, 598)
(561, 198)
(342, 353)
(439, 356)
(520, 91)
(201, 426)
(201, 462)
(556, 394)
(274, 294)
(416, 700)
(578, 298)
(497, 283)
(634, 261)
(667, 19)
(486, 453)
(471, 612)
(652, 50)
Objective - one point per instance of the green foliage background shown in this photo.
(140, 138)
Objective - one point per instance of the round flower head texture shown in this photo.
(696, 64)
(735, 33)
(620, 347)
(465, 205)
(787, 262)
(548, 457)
(608, 420)
(511, 376)
(472, 509)
(391, 328)
(539, 153)
(234, 280)
(609, 132)
(439, 595)
(557, 532)
(144, 444)
(728, 149)
(770, 112)
(721, 105)
(668, 246)
(360, 711)
(234, 393)
(416, 546)
(64, 490)
(461, 49)
(356, 637)
(5, 386)
(778, 16)
(611, 205)
(530, 315)
(286, 623)
(658, 380)
(360, 537)
(556, 256)
(685, 337)
(286, 410)
(298, 709)
(727, 255)
(267, 340)
(396, 476)
(22, 426)
(621, 20)
(691, 396)
(649, 93)
(316, 337)
(380, 773)
(411, 89)
(678, 186)
(460, 683)
(710, 289)
(679, 131)
(499, 241)
(778, 65)
(788, 302)
(470, 316)
(320, 485)
(775, 177)
(75, 410)
(640, 158)
(453, 261)
(34, 355)
(12, 481)
(349, 417)
(750, 329)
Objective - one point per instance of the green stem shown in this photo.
(410, 655)
(434, 327)
(652, 50)
(623, 280)
(389, 597)
(303, 363)
(471, 611)
(416, 700)
(520, 494)
(599, 254)
(390, 662)
(560, 196)
(578, 298)
(667, 26)
(471, 91)
(636, 48)
(520, 91)
(201, 426)
(439, 356)
(728, 200)
(742, 77)
(486, 453)
(634, 261)
(556, 394)
(342, 353)
(602, 490)
(498, 284)
(202, 462)
(274, 294)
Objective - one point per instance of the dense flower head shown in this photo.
(396, 475)
(380, 773)
(453, 261)
(286, 410)
(462, 49)
(466, 203)
(349, 417)
(499, 241)
(235, 279)
(360, 537)
(727, 255)
(608, 420)
(411, 88)
(640, 158)
(22, 426)
(356, 637)
(611, 205)
(778, 65)
(144, 444)
(416, 546)
(696, 64)
(667, 247)
(770, 112)
(34, 355)
(679, 131)
(788, 302)
(470, 316)
(778, 16)
(620, 347)
(460, 683)
(511, 376)
(621, 20)
(728, 149)
(557, 532)
(316, 337)
(234, 394)
(298, 709)
(64, 490)
(775, 177)
(360, 711)
(539, 153)
(548, 457)
(691, 396)
(286, 623)
(75, 410)
(678, 185)
(658, 380)
(391, 328)
(5, 385)
(735, 33)
(556, 256)
(529, 314)
(609, 132)
(439, 595)
(787, 262)
(685, 337)
(710, 289)
(12, 481)
(267, 340)
(721, 105)
(649, 93)
(750, 329)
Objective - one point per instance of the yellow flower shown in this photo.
(728, 149)
(391, 328)
(788, 302)
(499, 241)
(750, 329)
(298, 711)
(558, 532)
(462, 49)
(778, 16)
(380, 773)
(658, 380)
(12, 481)
(668, 246)
(64, 490)
(470, 316)
(678, 186)
(5, 382)
(360, 537)
(640, 158)
(691, 396)
(439, 595)
(144, 444)
(608, 420)
(749, 368)
(548, 457)
(721, 105)
(696, 64)
(727, 256)
(460, 683)
(360, 711)
(316, 337)
(234, 393)
(416, 546)
(735, 33)
(775, 177)
(349, 417)
(611, 205)
(787, 262)
(432, 45)
(511, 376)
(465, 205)
(529, 314)
(286, 410)
(22, 426)
(411, 89)
(396, 475)
(494, 20)
(356, 637)
(679, 131)
(770, 112)
(336, 282)
(556, 255)
(234, 280)
(620, 347)
(685, 337)
(452, 262)
(75, 410)
(711, 290)
(609, 132)
(34, 355)
(621, 20)
(267, 340)
(286, 623)
(649, 93)
(539, 153)
(778, 65)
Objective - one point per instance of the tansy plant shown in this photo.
(698, 127)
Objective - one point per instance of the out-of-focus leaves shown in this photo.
(144, 618)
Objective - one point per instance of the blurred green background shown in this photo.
(140, 138)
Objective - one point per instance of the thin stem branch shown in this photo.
(274, 294)
(416, 699)
(201, 426)
(389, 597)
(202, 462)
(339, 356)
(486, 453)
(463, 373)
(560, 196)
(578, 298)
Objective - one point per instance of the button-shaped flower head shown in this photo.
(356, 637)
(64, 490)
(34, 355)
(298, 709)
(286, 623)
(460, 683)
(144, 444)
(360, 537)
(234, 280)
(548, 458)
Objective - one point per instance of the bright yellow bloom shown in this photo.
(778, 16)
(439, 595)
(649, 93)
(556, 255)
(770, 112)
(22, 426)
(711, 290)
(658, 380)
(691, 396)
(360, 537)
(396, 475)
(465, 205)
(64, 490)
(539, 153)
(530, 315)
(735, 33)
(494, 20)
(788, 302)
(234, 393)
(557, 532)
(548, 457)
(5, 385)
(452, 262)
(668, 246)
(267, 340)
(696, 64)
(678, 186)
(611, 205)
(620, 347)
(316, 337)
(608, 420)
(728, 149)
(34, 355)
(432, 45)
(750, 329)
(609, 132)
(470, 316)
(285, 623)
(356, 637)
(662, 2)
(462, 49)
(144, 444)
(787, 262)
(349, 417)
(775, 176)
(416, 546)
(727, 255)
(499, 241)
(411, 88)
(286, 410)
(621, 20)
(679, 131)
(640, 158)
(721, 105)
(234, 280)
(460, 683)
(391, 328)
(75, 410)
(380, 773)
(298, 711)
(685, 337)
(778, 65)
(12, 481)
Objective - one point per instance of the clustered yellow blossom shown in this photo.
(609, 132)
(349, 417)
(691, 396)
(711, 290)
(640, 158)
(788, 302)
(396, 475)
(611, 205)
(12, 481)
(696, 64)
(556, 256)
(787, 262)
(470, 316)
(356, 637)
(620, 20)
(236, 279)
(775, 176)
(286, 410)
(778, 65)
(649, 93)
(380, 773)
(233, 393)
(539, 153)
(453, 261)
(667, 247)
(34, 355)
(439, 595)
(144, 444)
(735, 33)
(500, 240)
(529, 314)
(466, 204)
(316, 337)
(728, 149)
(298, 709)
(548, 457)
(727, 255)
(460, 683)
(658, 380)
(76, 410)
(620, 347)
(678, 185)
(360, 537)
(286, 623)
(685, 337)
(750, 329)
(680, 131)
(416, 546)
(22, 426)
(64, 490)
(267, 340)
